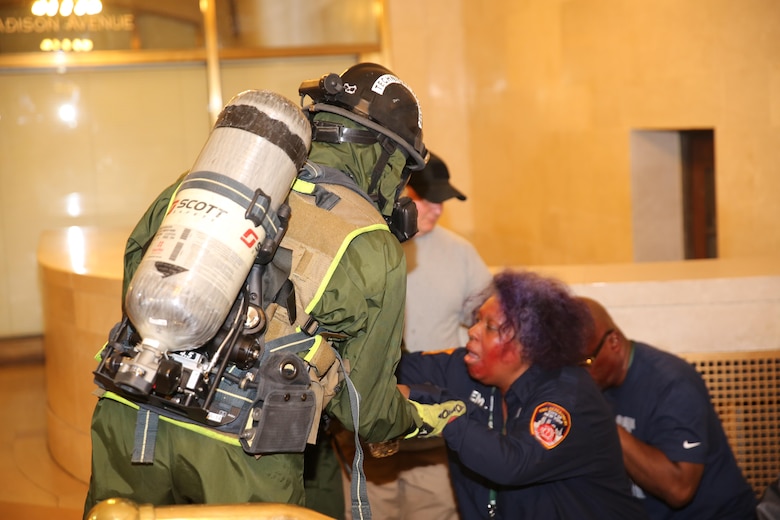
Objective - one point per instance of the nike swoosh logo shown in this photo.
(688, 445)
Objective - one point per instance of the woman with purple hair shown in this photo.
(537, 439)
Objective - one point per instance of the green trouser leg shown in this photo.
(322, 479)
(188, 466)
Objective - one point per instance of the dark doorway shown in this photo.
(697, 149)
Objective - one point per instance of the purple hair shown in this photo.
(550, 323)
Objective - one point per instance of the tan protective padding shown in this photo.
(124, 509)
(317, 237)
(316, 249)
(745, 391)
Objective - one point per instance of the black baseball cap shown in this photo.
(432, 183)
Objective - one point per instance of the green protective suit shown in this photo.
(364, 300)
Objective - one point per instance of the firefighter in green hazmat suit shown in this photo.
(366, 140)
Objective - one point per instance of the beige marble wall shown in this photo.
(133, 132)
(533, 103)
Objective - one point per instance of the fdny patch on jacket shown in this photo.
(550, 424)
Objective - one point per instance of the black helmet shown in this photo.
(374, 97)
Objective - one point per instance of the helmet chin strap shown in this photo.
(388, 148)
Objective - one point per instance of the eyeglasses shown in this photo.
(590, 359)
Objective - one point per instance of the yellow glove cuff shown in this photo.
(435, 417)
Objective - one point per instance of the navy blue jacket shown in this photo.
(559, 458)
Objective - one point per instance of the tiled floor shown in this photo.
(32, 485)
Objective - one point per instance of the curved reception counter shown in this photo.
(722, 315)
(81, 280)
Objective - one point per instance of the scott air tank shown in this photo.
(193, 269)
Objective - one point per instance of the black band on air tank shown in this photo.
(249, 118)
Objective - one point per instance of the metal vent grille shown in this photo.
(745, 390)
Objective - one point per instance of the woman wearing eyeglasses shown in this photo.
(537, 440)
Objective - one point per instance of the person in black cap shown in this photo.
(445, 273)
(433, 183)
(443, 270)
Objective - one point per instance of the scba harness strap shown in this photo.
(269, 427)
(270, 408)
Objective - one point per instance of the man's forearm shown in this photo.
(673, 482)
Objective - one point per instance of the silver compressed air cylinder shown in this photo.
(196, 264)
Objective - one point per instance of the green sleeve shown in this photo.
(365, 300)
(144, 231)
